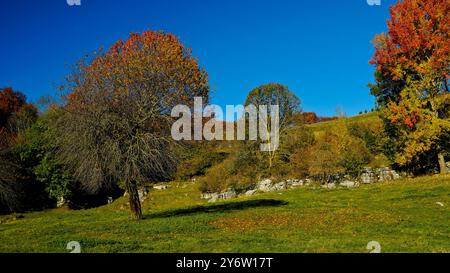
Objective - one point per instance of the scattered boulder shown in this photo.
(330, 186)
(370, 175)
(348, 184)
(207, 195)
(308, 181)
(161, 187)
(279, 186)
(230, 193)
(295, 183)
(250, 192)
(214, 197)
(264, 185)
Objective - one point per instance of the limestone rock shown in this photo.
(329, 186)
(207, 195)
(161, 187)
(279, 186)
(264, 185)
(296, 183)
(230, 193)
(348, 184)
(214, 198)
(250, 192)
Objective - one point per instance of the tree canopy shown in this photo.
(116, 126)
(413, 62)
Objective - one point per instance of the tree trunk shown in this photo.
(442, 165)
(135, 203)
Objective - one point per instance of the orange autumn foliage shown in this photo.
(418, 31)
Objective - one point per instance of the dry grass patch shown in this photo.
(307, 219)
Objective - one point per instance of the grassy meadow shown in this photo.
(411, 215)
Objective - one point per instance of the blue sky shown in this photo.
(319, 48)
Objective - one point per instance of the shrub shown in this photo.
(36, 153)
(338, 152)
(240, 171)
(372, 134)
(198, 164)
(57, 181)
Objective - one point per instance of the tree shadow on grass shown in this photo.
(218, 208)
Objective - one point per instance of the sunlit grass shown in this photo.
(404, 216)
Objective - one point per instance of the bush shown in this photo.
(19, 191)
(215, 179)
(198, 164)
(295, 150)
(10, 192)
(239, 171)
(338, 152)
(37, 154)
(58, 182)
(372, 134)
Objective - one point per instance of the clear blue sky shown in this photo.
(319, 48)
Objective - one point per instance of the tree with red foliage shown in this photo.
(311, 118)
(10, 102)
(413, 62)
(15, 115)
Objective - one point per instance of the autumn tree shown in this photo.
(16, 115)
(288, 104)
(412, 71)
(116, 128)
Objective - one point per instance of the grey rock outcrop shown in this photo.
(264, 185)
(370, 175)
(330, 186)
(161, 187)
(250, 192)
(214, 197)
(348, 184)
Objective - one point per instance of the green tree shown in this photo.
(37, 153)
(288, 104)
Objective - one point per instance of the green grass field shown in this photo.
(403, 216)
